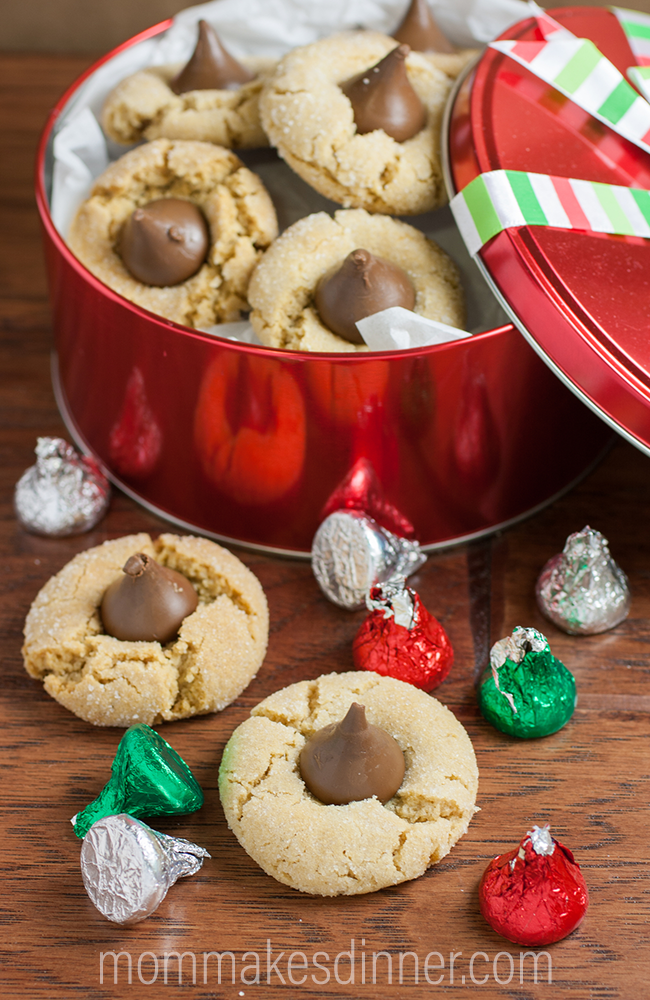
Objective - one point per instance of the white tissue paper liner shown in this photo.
(247, 27)
(400, 329)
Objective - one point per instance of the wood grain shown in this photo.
(590, 781)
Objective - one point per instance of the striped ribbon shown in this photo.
(636, 27)
(576, 68)
(547, 26)
(501, 199)
(640, 77)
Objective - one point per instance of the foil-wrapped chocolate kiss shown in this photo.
(63, 494)
(128, 868)
(582, 590)
(352, 553)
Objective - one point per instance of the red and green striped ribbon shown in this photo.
(503, 199)
(576, 68)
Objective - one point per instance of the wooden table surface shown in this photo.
(589, 780)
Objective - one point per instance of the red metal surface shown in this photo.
(583, 298)
(250, 443)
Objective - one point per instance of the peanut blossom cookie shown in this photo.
(238, 215)
(333, 849)
(213, 99)
(206, 662)
(284, 284)
(311, 121)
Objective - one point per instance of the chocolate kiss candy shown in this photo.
(352, 760)
(148, 603)
(164, 242)
(128, 868)
(211, 66)
(362, 285)
(526, 691)
(536, 894)
(582, 590)
(382, 97)
(149, 779)
(419, 30)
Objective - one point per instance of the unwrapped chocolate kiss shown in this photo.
(361, 286)
(352, 760)
(164, 242)
(211, 66)
(382, 97)
(148, 603)
(419, 30)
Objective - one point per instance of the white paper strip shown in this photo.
(398, 329)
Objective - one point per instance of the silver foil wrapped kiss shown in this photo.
(582, 590)
(352, 553)
(63, 494)
(128, 868)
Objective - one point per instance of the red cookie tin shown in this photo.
(253, 445)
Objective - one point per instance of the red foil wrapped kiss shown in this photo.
(535, 894)
(401, 639)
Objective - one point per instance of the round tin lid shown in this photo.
(581, 299)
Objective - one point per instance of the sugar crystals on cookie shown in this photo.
(307, 114)
(322, 274)
(301, 835)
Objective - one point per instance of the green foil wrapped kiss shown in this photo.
(149, 779)
(526, 691)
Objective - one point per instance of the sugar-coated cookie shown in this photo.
(310, 120)
(235, 203)
(282, 288)
(332, 850)
(110, 682)
(143, 106)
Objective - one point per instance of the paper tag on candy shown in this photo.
(398, 329)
